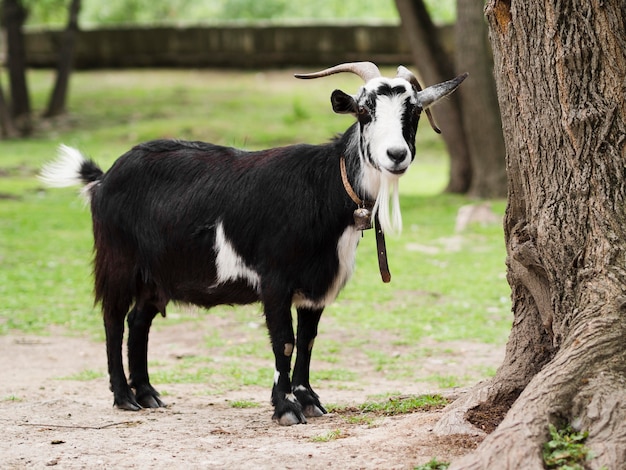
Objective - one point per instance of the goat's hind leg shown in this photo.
(139, 322)
(123, 396)
(308, 319)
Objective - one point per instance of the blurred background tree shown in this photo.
(16, 113)
(14, 15)
(470, 119)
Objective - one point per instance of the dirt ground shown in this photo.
(65, 423)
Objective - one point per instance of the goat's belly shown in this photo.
(234, 275)
(237, 292)
(346, 254)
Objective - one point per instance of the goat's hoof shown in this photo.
(313, 411)
(289, 418)
(124, 399)
(150, 401)
(148, 397)
(127, 405)
(311, 406)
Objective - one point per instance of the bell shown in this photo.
(362, 218)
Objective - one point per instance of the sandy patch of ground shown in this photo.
(71, 423)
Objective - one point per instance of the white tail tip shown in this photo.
(65, 170)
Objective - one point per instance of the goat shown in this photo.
(204, 224)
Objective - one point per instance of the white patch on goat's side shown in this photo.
(346, 254)
(230, 266)
(65, 170)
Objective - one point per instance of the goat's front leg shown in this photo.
(308, 319)
(287, 409)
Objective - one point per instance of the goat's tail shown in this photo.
(71, 168)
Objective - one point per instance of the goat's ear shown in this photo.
(343, 103)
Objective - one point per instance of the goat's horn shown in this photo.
(405, 73)
(365, 70)
(434, 93)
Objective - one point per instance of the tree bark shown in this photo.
(6, 123)
(435, 66)
(479, 102)
(14, 18)
(560, 74)
(58, 98)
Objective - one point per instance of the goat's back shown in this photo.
(157, 211)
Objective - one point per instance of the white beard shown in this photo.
(390, 220)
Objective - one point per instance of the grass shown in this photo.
(393, 405)
(12, 398)
(434, 464)
(446, 286)
(86, 375)
(186, 12)
(566, 449)
(403, 404)
(242, 404)
(332, 435)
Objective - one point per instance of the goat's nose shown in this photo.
(397, 154)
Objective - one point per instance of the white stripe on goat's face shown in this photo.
(388, 113)
(388, 116)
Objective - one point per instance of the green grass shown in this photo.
(434, 464)
(86, 375)
(217, 377)
(242, 404)
(12, 398)
(332, 435)
(404, 404)
(393, 405)
(566, 449)
(194, 12)
(445, 286)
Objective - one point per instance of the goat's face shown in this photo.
(387, 111)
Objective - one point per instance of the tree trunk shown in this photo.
(58, 98)
(14, 17)
(560, 74)
(6, 123)
(479, 102)
(435, 66)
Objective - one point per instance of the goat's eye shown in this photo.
(363, 111)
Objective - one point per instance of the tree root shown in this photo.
(583, 386)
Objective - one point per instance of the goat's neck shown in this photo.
(370, 184)
(364, 178)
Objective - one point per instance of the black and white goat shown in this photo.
(207, 225)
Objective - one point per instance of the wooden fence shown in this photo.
(233, 46)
